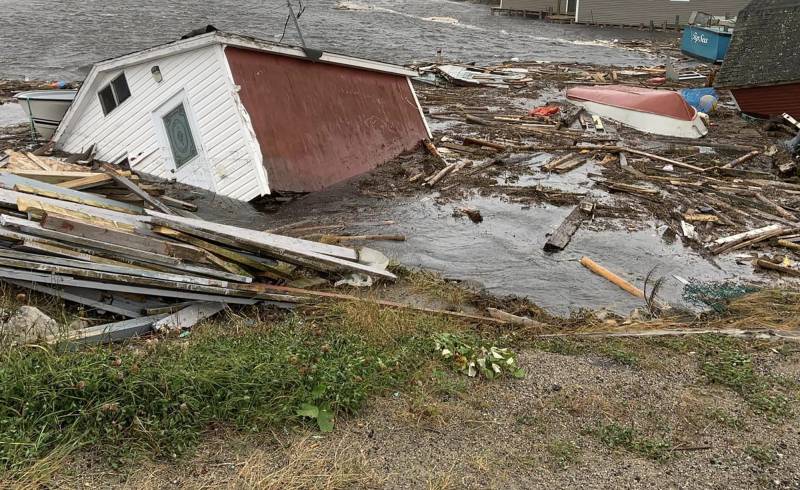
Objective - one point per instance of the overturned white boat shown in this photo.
(660, 112)
(46, 108)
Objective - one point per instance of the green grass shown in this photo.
(159, 399)
(615, 435)
(734, 369)
(762, 455)
(562, 453)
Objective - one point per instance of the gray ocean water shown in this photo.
(59, 39)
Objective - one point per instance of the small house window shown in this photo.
(179, 133)
(114, 94)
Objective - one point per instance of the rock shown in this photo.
(29, 323)
(78, 324)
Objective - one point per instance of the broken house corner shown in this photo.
(242, 117)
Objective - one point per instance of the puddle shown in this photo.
(12, 114)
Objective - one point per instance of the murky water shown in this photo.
(11, 114)
(59, 39)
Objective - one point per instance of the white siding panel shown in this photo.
(130, 129)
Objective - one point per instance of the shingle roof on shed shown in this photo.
(765, 49)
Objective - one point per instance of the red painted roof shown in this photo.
(662, 102)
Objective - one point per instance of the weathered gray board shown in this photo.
(259, 237)
(95, 298)
(160, 246)
(131, 271)
(299, 252)
(125, 182)
(108, 277)
(112, 332)
(34, 228)
(9, 198)
(562, 236)
(63, 280)
(188, 317)
(8, 181)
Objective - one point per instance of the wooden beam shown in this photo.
(188, 317)
(178, 203)
(88, 297)
(112, 269)
(49, 176)
(125, 182)
(561, 237)
(224, 252)
(110, 332)
(86, 182)
(287, 249)
(611, 277)
(116, 251)
(64, 224)
(53, 280)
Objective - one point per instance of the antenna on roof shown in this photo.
(312, 54)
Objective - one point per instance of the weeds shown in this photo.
(160, 399)
(762, 455)
(615, 435)
(562, 453)
(734, 369)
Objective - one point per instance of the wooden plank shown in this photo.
(35, 229)
(109, 235)
(561, 237)
(86, 182)
(38, 208)
(97, 202)
(266, 243)
(87, 297)
(38, 162)
(125, 182)
(611, 277)
(763, 264)
(113, 269)
(178, 203)
(224, 252)
(49, 176)
(65, 280)
(742, 159)
(188, 317)
(35, 187)
(746, 235)
(651, 156)
(230, 233)
(110, 332)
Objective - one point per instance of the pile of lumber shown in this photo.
(156, 265)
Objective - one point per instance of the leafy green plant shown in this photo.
(319, 411)
(615, 435)
(474, 357)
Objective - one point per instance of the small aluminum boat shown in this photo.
(46, 108)
(653, 111)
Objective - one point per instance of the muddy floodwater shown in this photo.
(48, 40)
(503, 254)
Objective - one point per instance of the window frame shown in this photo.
(110, 85)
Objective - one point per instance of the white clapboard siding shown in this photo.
(130, 129)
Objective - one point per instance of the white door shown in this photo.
(181, 146)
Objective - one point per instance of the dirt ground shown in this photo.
(553, 429)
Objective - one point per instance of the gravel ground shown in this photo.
(537, 432)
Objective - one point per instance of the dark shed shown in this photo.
(762, 67)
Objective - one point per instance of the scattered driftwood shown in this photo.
(514, 319)
(561, 237)
(765, 264)
(742, 159)
(611, 277)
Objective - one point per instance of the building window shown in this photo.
(179, 133)
(114, 94)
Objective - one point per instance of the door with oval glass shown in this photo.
(180, 145)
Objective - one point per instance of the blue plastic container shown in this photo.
(706, 43)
